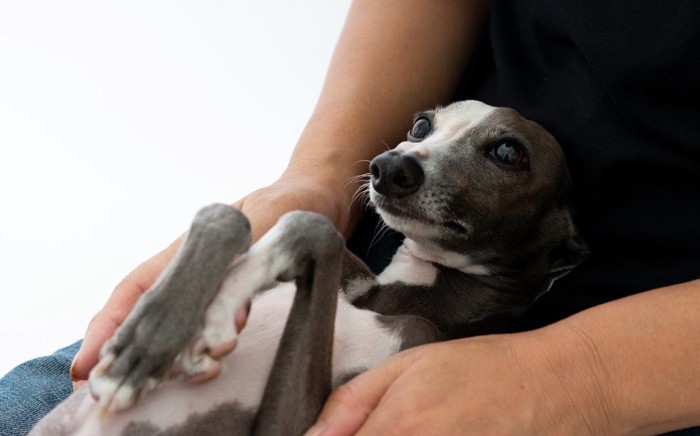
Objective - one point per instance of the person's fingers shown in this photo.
(99, 330)
(105, 322)
(350, 405)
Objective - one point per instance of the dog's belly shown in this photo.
(361, 342)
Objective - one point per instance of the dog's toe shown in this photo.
(113, 394)
(221, 327)
(204, 370)
(197, 363)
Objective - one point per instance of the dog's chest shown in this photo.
(407, 268)
(361, 341)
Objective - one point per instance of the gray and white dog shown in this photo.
(481, 195)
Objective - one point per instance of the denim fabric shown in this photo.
(31, 390)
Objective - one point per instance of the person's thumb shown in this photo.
(350, 404)
(105, 323)
(99, 330)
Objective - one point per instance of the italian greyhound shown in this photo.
(481, 195)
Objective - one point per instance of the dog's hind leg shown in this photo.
(168, 316)
(300, 380)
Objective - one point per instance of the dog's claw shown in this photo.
(207, 369)
(197, 363)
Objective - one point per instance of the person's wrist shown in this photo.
(573, 380)
(333, 186)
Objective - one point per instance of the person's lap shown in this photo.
(32, 389)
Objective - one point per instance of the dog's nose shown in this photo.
(396, 174)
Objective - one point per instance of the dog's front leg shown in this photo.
(306, 248)
(169, 315)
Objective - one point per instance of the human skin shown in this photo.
(625, 367)
(628, 366)
(394, 58)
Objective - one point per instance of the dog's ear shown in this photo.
(565, 257)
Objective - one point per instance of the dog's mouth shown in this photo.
(387, 206)
(455, 226)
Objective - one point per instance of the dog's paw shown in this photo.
(141, 354)
(222, 325)
(168, 317)
(111, 392)
(196, 364)
(218, 337)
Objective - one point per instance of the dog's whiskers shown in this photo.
(361, 195)
(359, 178)
(379, 231)
(362, 192)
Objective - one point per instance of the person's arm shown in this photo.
(630, 366)
(394, 58)
(645, 358)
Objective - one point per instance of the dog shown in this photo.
(482, 197)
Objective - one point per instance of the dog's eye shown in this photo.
(421, 128)
(509, 153)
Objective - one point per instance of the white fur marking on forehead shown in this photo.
(450, 123)
(457, 118)
(417, 148)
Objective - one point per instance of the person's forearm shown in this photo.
(394, 58)
(642, 355)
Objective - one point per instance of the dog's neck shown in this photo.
(430, 252)
(444, 287)
(504, 274)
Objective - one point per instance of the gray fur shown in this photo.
(169, 314)
(300, 381)
(513, 224)
(414, 330)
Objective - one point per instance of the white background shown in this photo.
(118, 120)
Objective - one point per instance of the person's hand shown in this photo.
(263, 207)
(501, 384)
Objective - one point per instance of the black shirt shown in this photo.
(618, 84)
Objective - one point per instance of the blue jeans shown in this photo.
(31, 390)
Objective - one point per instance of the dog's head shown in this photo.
(480, 189)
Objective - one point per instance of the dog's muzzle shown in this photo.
(396, 174)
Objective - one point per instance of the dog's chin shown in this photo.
(410, 226)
